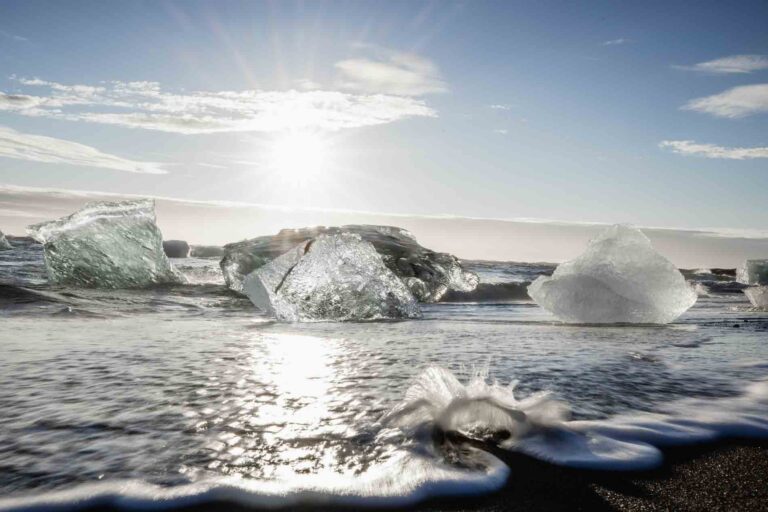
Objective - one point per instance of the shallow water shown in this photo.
(186, 384)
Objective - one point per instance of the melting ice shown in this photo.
(333, 277)
(106, 245)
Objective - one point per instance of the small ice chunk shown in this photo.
(758, 296)
(333, 277)
(753, 272)
(620, 278)
(4, 243)
(106, 245)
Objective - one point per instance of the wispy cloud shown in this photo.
(402, 74)
(732, 64)
(500, 106)
(14, 37)
(691, 148)
(741, 101)
(615, 42)
(501, 131)
(146, 105)
(38, 148)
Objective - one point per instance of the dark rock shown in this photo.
(206, 251)
(176, 248)
(491, 292)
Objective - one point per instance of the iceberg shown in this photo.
(753, 272)
(428, 274)
(758, 296)
(106, 245)
(332, 277)
(620, 278)
(4, 243)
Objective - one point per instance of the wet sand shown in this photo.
(729, 476)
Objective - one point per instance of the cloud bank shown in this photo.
(691, 148)
(145, 105)
(38, 148)
(211, 222)
(742, 101)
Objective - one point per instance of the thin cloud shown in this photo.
(741, 101)
(691, 148)
(501, 131)
(401, 74)
(500, 106)
(616, 42)
(145, 105)
(38, 148)
(730, 65)
(14, 37)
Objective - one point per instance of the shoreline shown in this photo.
(726, 475)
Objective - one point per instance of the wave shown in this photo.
(402, 481)
(491, 292)
(450, 430)
(539, 426)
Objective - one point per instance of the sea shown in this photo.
(185, 395)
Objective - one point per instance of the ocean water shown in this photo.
(187, 394)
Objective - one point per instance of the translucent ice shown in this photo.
(619, 278)
(333, 277)
(106, 245)
(427, 274)
(4, 244)
(758, 296)
(753, 272)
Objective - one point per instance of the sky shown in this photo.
(650, 113)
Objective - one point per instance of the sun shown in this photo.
(297, 155)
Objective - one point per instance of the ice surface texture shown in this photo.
(4, 244)
(106, 245)
(758, 296)
(333, 277)
(620, 278)
(428, 274)
(753, 272)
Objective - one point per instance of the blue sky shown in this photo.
(654, 113)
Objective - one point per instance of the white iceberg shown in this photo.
(4, 243)
(620, 278)
(333, 277)
(106, 245)
(753, 272)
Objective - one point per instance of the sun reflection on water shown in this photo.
(288, 409)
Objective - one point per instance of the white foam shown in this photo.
(403, 480)
(539, 426)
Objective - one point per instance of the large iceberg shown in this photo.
(428, 274)
(332, 277)
(106, 245)
(620, 278)
(4, 243)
